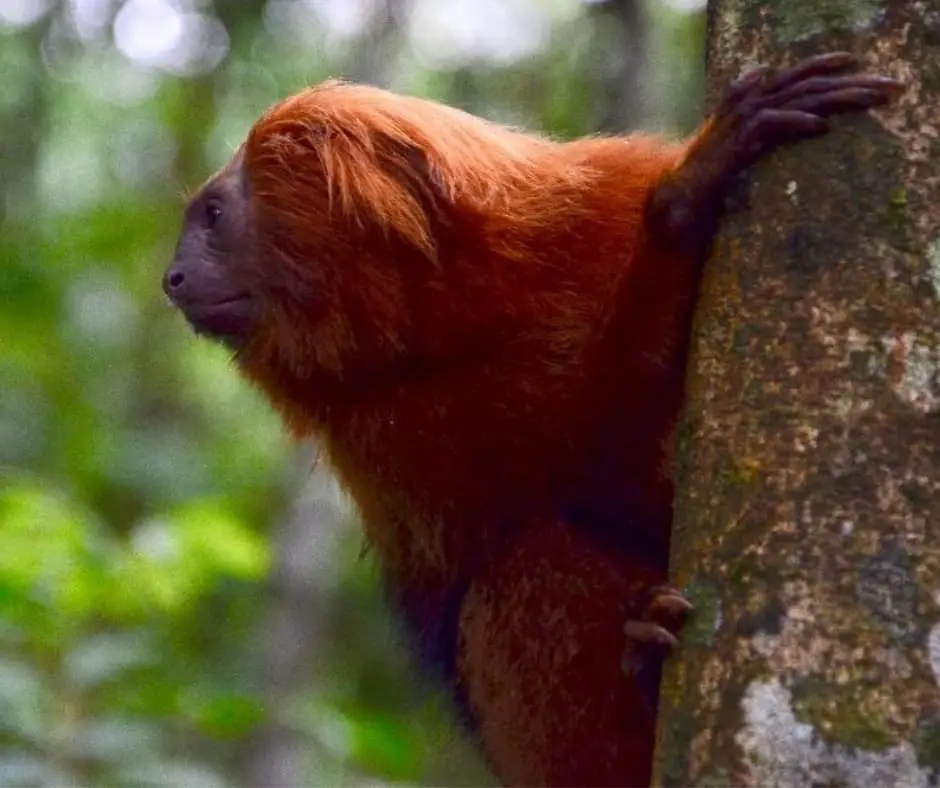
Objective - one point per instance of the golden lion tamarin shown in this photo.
(486, 331)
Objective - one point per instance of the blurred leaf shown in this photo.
(152, 692)
(384, 746)
(224, 545)
(174, 560)
(227, 715)
(51, 550)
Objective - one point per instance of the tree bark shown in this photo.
(807, 528)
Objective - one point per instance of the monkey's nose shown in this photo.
(173, 281)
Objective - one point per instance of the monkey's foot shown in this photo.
(762, 110)
(659, 622)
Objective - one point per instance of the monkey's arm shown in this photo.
(762, 110)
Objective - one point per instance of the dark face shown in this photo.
(207, 280)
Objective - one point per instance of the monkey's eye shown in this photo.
(213, 213)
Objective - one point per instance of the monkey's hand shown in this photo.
(663, 613)
(652, 635)
(763, 110)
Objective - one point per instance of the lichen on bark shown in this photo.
(807, 529)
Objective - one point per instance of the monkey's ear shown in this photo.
(409, 166)
(378, 180)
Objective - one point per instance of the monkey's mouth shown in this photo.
(228, 320)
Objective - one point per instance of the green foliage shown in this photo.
(89, 670)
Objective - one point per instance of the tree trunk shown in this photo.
(621, 60)
(305, 545)
(807, 529)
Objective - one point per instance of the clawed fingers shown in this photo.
(795, 95)
(666, 608)
(793, 104)
(767, 81)
(651, 634)
(815, 86)
(668, 601)
(818, 65)
(772, 127)
(742, 86)
(840, 101)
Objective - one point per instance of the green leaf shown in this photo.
(382, 744)
(227, 715)
(50, 549)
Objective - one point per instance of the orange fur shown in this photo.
(474, 323)
(542, 648)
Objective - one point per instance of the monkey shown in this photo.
(486, 331)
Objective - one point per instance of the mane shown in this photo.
(386, 159)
